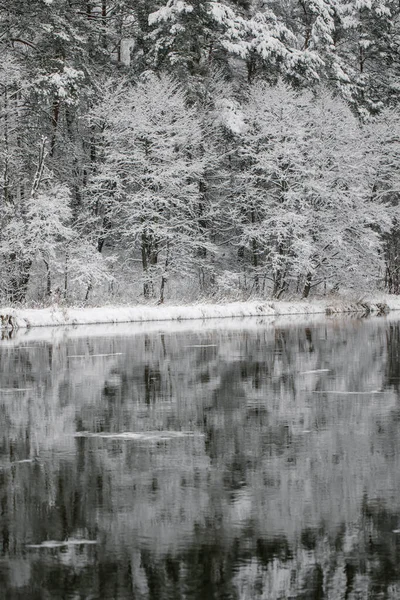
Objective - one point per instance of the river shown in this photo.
(229, 460)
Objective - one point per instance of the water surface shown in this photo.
(241, 461)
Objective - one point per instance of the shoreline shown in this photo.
(24, 318)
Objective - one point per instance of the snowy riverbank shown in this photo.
(15, 318)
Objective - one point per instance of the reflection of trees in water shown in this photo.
(392, 365)
(290, 493)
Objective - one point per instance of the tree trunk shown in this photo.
(37, 180)
(307, 286)
(202, 251)
(146, 290)
(163, 278)
(48, 278)
(149, 260)
(104, 22)
(251, 68)
(89, 289)
(6, 149)
(280, 284)
(55, 118)
(254, 255)
(19, 280)
(66, 276)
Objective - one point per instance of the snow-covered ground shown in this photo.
(24, 318)
(57, 335)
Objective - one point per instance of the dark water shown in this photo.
(261, 462)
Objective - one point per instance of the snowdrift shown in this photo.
(16, 318)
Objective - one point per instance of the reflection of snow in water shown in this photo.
(147, 436)
(345, 393)
(241, 507)
(202, 346)
(93, 355)
(37, 347)
(14, 463)
(61, 544)
(113, 380)
(12, 390)
(315, 371)
(276, 461)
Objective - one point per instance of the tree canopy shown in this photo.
(179, 148)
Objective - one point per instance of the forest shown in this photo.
(155, 150)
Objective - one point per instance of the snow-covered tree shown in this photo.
(191, 36)
(37, 232)
(307, 213)
(383, 142)
(246, 191)
(364, 61)
(149, 182)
